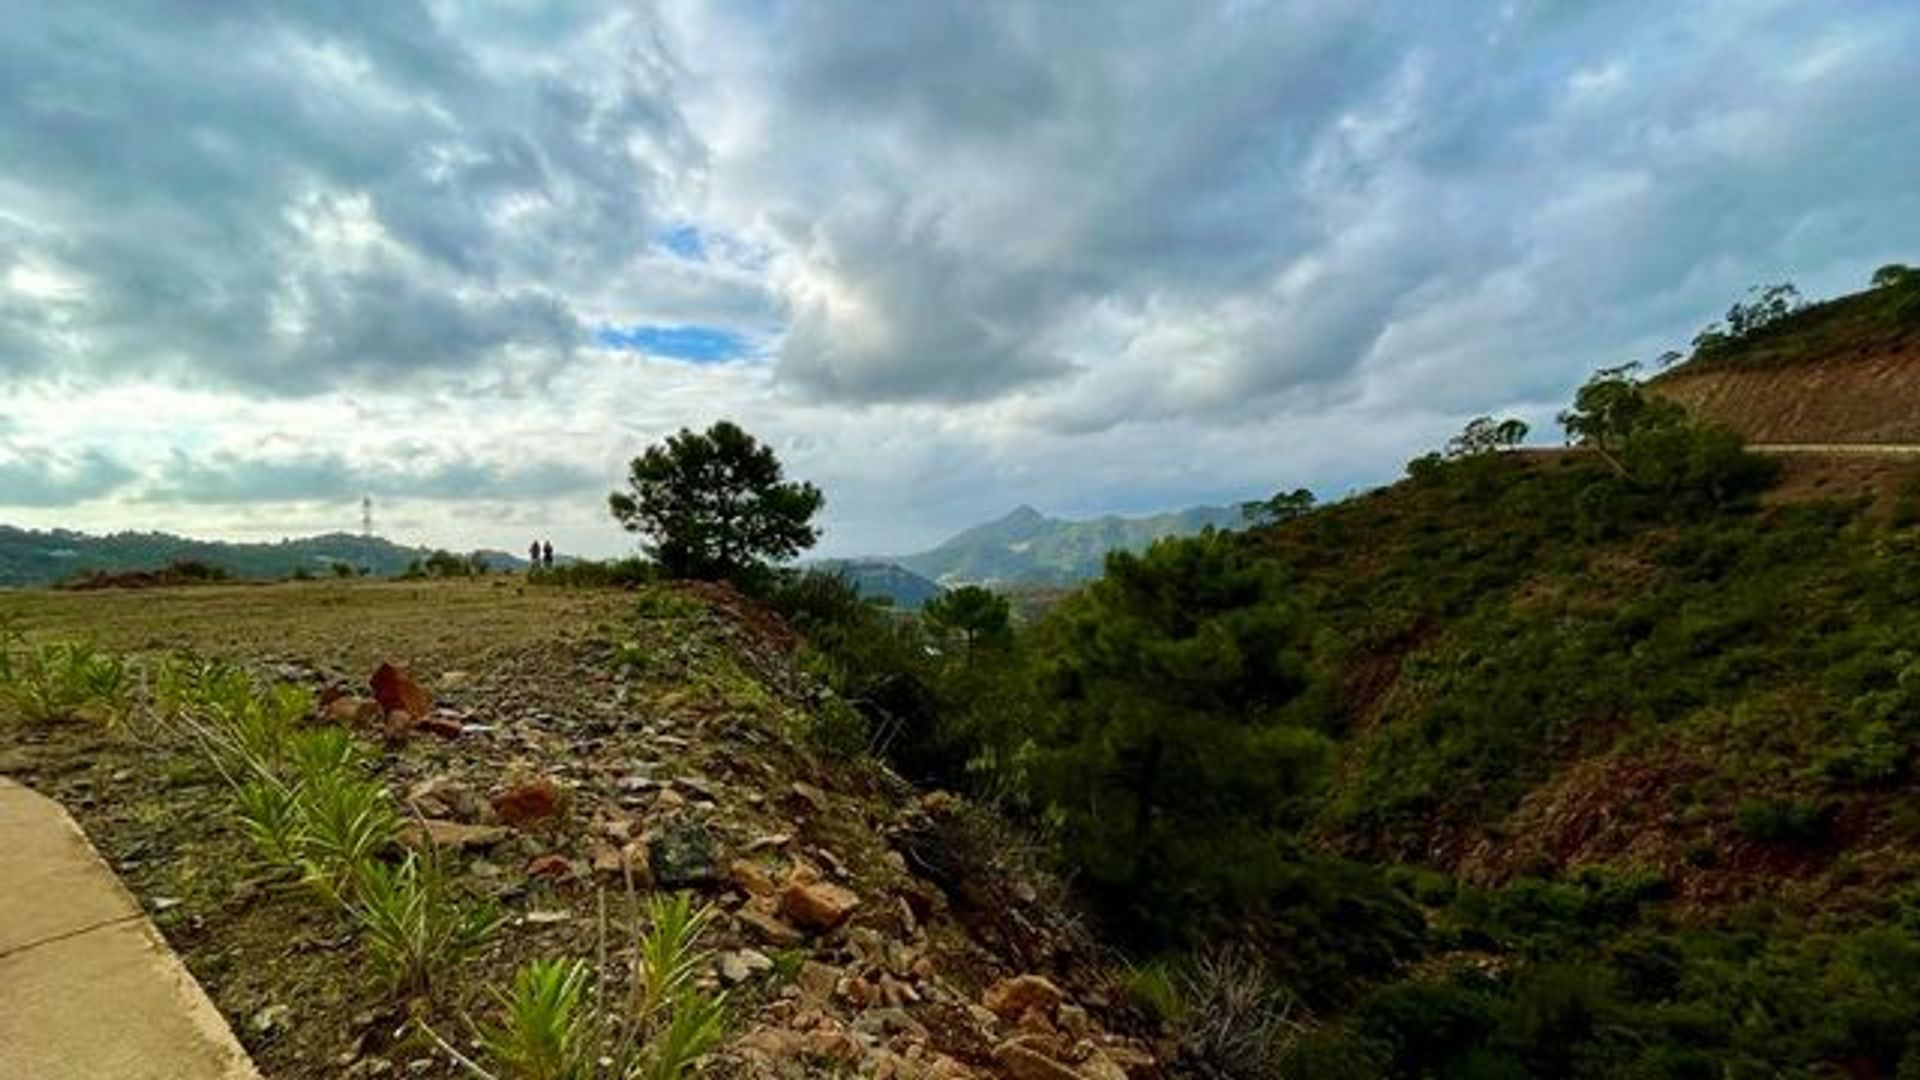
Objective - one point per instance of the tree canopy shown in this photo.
(1167, 758)
(977, 615)
(714, 504)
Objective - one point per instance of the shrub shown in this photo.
(559, 1026)
(546, 1033)
(413, 929)
(1235, 1023)
(627, 573)
(63, 680)
(1781, 821)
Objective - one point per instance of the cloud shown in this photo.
(227, 478)
(288, 198)
(1217, 211)
(977, 252)
(38, 477)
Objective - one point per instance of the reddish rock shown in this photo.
(1011, 998)
(551, 867)
(395, 689)
(812, 904)
(528, 801)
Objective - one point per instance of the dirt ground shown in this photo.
(671, 715)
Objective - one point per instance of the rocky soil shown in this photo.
(865, 928)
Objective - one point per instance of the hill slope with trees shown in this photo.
(1598, 763)
(1837, 372)
(32, 557)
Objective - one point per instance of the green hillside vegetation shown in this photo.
(30, 557)
(1773, 327)
(1029, 548)
(1585, 764)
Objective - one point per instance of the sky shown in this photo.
(946, 257)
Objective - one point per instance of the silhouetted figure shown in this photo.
(546, 554)
(533, 555)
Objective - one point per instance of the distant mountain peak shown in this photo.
(1026, 546)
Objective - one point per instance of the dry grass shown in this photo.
(348, 625)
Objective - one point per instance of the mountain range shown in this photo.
(1024, 548)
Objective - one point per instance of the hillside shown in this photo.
(31, 557)
(879, 579)
(1838, 372)
(1030, 548)
(1577, 764)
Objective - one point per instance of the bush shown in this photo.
(628, 573)
(63, 680)
(1781, 821)
(413, 929)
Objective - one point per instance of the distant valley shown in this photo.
(1023, 548)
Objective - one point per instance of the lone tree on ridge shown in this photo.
(713, 504)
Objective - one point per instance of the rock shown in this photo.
(811, 795)
(1102, 1067)
(442, 724)
(399, 724)
(270, 1019)
(621, 862)
(395, 689)
(454, 680)
(1021, 1061)
(442, 797)
(1010, 998)
(529, 801)
(453, 835)
(812, 904)
(751, 878)
(352, 712)
(1074, 1021)
(817, 981)
(887, 1022)
(834, 1044)
(551, 868)
(547, 918)
(774, 1044)
(682, 856)
(770, 929)
(741, 965)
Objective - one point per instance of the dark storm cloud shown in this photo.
(226, 478)
(294, 196)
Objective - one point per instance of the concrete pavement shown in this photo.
(88, 987)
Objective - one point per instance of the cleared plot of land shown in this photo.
(348, 625)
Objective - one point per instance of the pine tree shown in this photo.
(1170, 759)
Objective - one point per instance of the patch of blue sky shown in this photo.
(694, 344)
(685, 241)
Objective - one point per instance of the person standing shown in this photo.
(546, 554)
(533, 556)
